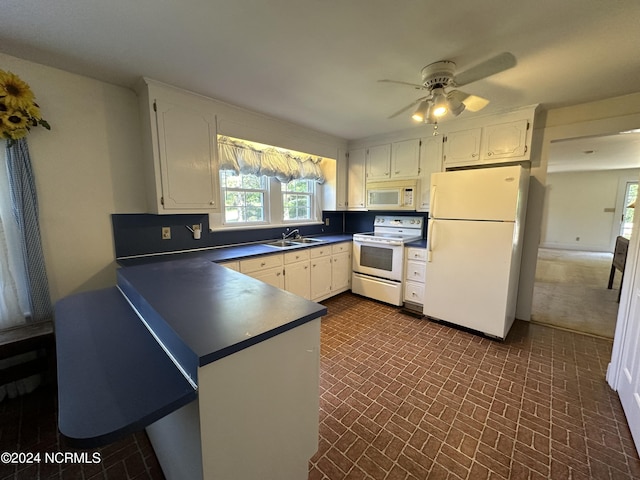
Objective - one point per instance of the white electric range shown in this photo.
(378, 257)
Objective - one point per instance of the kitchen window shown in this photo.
(297, 200)
(245, 197)
(262, 185)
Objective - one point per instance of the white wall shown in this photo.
(580, 209)
(91, 165)
(87, 167)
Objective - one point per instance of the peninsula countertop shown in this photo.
(112, 367)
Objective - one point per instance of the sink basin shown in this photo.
(282, 244)
(307, 240)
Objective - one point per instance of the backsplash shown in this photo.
(141, 233)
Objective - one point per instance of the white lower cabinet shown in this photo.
(320, 272)
(267, 268)
(330, 270)
(297, 273)
(340, 267)
(414, 278)
(315, 273)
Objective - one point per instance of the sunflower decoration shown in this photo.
(18, 110)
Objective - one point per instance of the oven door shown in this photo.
(378, 259)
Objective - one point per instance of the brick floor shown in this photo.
(407, 398)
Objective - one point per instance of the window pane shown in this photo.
(244, 197)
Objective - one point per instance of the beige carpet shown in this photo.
(571, 291)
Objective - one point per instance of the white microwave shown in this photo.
(392, 195)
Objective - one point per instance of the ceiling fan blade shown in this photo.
(414, 85)
(404, 109)
(473, 103)
(497, 64)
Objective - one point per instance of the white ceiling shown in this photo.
(317, 62)
(607, 152)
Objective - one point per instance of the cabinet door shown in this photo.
(405, 159)
(320, 277)
(378, 163)
(430, 162)
(188, 167)
(462, 146)
(341, 180)
(272, 276)
(297, 279)
(505, 140)
(340, 272)
(356, 193)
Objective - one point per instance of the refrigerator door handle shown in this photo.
(430, 239)
(432, 201)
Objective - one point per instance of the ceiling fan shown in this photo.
(437, 77)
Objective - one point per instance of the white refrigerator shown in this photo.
(474, 247)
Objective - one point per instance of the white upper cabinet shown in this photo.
(187, 144)
(430, 162)
(504, 138)
(378, 163)
(392, 161)
(356, 183)
(179, 136)
(462, 146)
(405, 159)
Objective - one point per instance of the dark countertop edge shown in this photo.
(117, 434)
(90, 328)
(231, 252)
(230, 350)
(151, 288)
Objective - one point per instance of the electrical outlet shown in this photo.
(166, 233)
(326, 222)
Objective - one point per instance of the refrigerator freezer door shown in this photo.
(471, 277)
(479, 194)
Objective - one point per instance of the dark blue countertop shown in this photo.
(232, 252)
(113, 377)
(203, 312)
(422, 243)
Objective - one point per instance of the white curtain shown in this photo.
(13, 295)
(14, 300)
(244, 158)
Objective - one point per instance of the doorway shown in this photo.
(592, 183)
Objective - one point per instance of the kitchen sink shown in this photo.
(282, 244)
(307, 240)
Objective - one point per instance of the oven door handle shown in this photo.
(378, 244)
(375, 279)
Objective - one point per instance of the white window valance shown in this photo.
(244, 157)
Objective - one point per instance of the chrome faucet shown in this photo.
(294, 231)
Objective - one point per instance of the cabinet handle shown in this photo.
(488, 154)
(473, 155)
(306, 267)
(212, 202)
(263, 264)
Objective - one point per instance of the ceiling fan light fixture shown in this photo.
(440, 103)
(420, 113)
